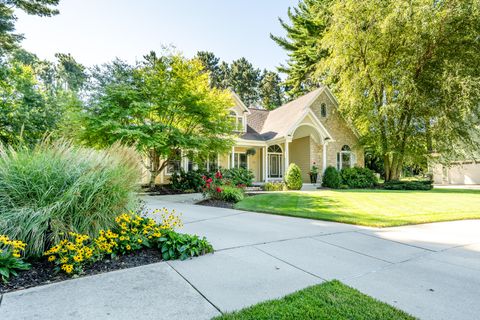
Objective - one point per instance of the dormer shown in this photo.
(239, 113)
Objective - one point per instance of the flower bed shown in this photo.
(133, 240)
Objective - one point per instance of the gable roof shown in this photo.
(266, 125)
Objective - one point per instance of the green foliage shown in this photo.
(308, 23)
(293, 177)
(408, 82)
(270, 90)
(187, 180)
(175, 245)
(252, 86)
(358, 178)
(162, 105)
(9, 40)
(274, 186)
(232, 194)
(56, 188)
(331, 178)
(11, 257)
(330, 300)
(408, 185)
(238, 176)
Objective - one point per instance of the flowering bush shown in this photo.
(213, 186)
(11, 257)
(131, 232)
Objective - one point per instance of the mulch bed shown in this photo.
(216, 203)
(42, 272)
(161, 191)
(222, 204)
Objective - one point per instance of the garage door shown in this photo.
(464, 174)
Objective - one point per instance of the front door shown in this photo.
(275, 165)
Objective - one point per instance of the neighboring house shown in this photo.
(461, 172)
(305, 131)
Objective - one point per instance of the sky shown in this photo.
(97, 31)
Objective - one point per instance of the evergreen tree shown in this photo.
(271, 93)
(244, 79)
(8, 39)
(211, 63)
(308, 23)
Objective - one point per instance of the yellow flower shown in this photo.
(128, 247)
(139, 240)
(64, 260)
(51, 258)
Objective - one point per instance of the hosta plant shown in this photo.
(11, 261)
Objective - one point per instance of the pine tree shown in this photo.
(244, 79)
(308, 22)
(271, 93)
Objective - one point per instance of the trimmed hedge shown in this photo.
(274, 186)
(293, 177)
(408, 185)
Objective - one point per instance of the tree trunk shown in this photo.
(153, 177)
(393, 166)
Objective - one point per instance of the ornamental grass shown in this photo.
(57, 188)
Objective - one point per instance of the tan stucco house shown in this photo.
(305, 131)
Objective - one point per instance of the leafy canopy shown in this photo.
(162, 105)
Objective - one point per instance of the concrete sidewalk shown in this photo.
(431, 271)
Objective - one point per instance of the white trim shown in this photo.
(240, 102)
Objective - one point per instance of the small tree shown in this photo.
(293, 177)
(162, 106)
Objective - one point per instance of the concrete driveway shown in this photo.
(431, 271)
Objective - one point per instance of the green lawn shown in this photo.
(331, 300)
(378, 208)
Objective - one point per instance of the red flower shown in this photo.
(209, 180)
(218, 175)
(204, 178)
(208, 185)
(219, 190)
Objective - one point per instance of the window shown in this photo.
(345, 158)
(211, 163)
(240, 160)
(323, 110)
(175, 162)
(275, 149)
(237, 121)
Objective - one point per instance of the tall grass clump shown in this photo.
(57, 187)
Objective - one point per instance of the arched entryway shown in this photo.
(275, 161)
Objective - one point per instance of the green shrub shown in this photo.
(274, 186)
(182, 246)
(56, 188)
(358, 178)
(232, 194)
(187, 180)
(238, 176)
(408, 185)
(331, 178)
(293, 177)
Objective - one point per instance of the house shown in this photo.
(305, 131)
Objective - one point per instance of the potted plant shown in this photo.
(313, 174)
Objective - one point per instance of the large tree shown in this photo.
(308, 22)
(406, 74)
(244, 79)
(270, 90)
(163, 106)
(8, 39)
